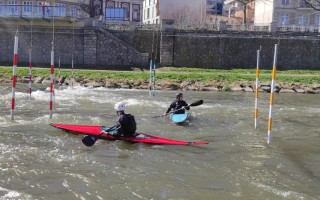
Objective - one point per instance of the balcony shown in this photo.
(30, 12)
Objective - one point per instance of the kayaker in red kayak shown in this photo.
(178, 106)
(126, 124)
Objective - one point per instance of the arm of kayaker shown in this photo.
(186, 106)
(115, 127)
(104, 132)
(169, 109)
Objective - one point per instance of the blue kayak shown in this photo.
(179, 118)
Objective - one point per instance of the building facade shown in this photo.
(37, 8)
(107, 10)
(182, 11)
(286, 13)
(151, 12)
(123, 10)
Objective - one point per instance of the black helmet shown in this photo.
(179, 95)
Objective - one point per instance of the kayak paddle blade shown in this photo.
(89, 140)
(197, 103)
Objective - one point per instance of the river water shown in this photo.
(38, 161)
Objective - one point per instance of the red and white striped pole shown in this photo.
(257, 91)
(30, 73)
(14, 76)
(51, 82)
(272, 92)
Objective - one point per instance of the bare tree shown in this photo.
(315, 4)
(245, 4)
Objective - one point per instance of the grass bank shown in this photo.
(175, 74)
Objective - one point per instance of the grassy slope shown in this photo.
(177, 74)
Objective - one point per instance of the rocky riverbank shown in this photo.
(245, 86)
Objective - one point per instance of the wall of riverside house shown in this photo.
(102, 49)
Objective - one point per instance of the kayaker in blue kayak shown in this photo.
(126, 124)
(178, 106)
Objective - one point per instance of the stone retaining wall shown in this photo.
(100, 48)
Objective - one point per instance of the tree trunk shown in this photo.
(244, 13)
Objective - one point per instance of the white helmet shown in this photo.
(119, 106)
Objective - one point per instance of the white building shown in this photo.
(286, 13)
(182, 11)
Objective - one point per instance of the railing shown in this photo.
(213, 27)
(126, 26)
(29, 11)
(295, 28)
(199, 26)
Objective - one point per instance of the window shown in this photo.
(148, 13)
(1, 7)
(302, 20)
(285, 2)
(116, 14)
(284, 19)
(12, 7)
(111, 4)
(136, 12)
(59, 10)
(152, 14)
(126, 7)
(317, 21)
(73, 11)
(303, 4)
(27, 7)
(39, 7)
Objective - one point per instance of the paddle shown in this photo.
(196, 103)
(89, 140)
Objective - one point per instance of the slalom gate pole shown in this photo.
(272, 92)
(14, 76)
(72, 54)
(152, 70)
(72, 73)
(52, 79)
(30, 73)
(51, 82)
(257, 91)
(59, 71)
(155, 64)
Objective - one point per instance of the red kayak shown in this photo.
(140, 137)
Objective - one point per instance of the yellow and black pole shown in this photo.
(274, 69)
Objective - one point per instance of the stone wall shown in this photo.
(99, 48)
(225, 52)
(89, 48)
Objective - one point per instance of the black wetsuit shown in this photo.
(176, 105)
(126, 125)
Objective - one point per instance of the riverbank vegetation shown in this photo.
(173, 77)
(176, 74)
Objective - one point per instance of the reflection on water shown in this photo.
(38, 161)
